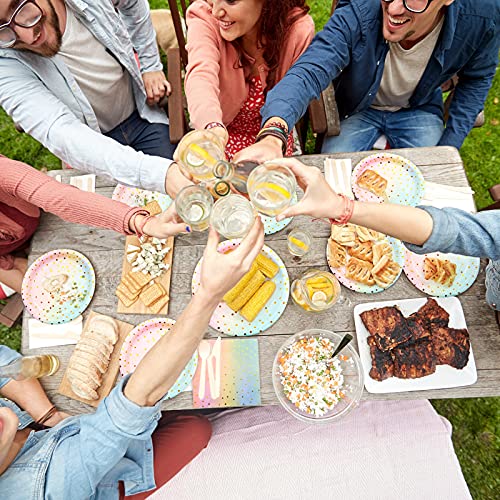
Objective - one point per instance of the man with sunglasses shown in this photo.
(84, 78)
(387, 60)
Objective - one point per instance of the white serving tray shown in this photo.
(444, 377)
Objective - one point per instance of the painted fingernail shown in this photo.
(188, 229)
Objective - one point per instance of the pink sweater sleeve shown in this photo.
(202, 75)
(23, 182)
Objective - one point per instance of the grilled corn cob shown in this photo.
(266, 266)
(238, 288)
(258, 301)
(247, 292)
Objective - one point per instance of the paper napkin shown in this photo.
(44, 335)
(338, 175)
(440, 196)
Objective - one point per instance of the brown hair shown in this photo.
(274, 24)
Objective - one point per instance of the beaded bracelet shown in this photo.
(347, 211)
(279, 125)
(47, 415)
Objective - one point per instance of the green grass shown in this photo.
(475, 422)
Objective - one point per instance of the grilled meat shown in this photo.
(382, 363)
(451, 346)
(388, 326)
(432, 312)
(419, 327)
(414, 359)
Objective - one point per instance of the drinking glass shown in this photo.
(198, 152)
(316, 290)
(232, 216)
(299, 242)
(194, 206)
(271, 187)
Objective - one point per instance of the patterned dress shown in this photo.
(246, 125)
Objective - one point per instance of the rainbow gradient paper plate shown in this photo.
(467, 269)
(405, 182)
(141, 339)
(136, 197)
(58, 286)
(225, 320)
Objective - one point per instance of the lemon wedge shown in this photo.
(271, 186)
(299, 244)
(202, 154)
(318, 297)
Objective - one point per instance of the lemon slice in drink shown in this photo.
(271, 186)
(197, 156)
(299, 244)
(319, 297)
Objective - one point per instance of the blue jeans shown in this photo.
(406, 128)
(141, 135)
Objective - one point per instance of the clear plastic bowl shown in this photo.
(351, 370)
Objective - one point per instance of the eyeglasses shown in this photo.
(27, 15)
(416, 6)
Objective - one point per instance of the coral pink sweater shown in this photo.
(25, 189)
(216, 85)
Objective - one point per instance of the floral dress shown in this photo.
(246, 125)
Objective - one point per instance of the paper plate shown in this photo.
(405, 183)
(467, 271)
(225, 320)
(398, 255)
(67, 302)
(141, 339)
(271, 226)
(136, 197)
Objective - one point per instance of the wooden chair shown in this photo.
(11, 311)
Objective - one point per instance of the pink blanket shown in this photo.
(384, 450)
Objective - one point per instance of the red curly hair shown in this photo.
(274, 24)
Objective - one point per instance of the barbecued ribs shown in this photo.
(432, 312)
(382, 363)
(387, 325)
(414, 359)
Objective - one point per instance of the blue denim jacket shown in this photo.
(351, 51)
(85, 456)
(41, 95)
(477, 235)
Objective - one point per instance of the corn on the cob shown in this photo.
(238, 288)
(246, 294)
(267, 266)
(258, 301)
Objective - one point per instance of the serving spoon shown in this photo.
(345, 340)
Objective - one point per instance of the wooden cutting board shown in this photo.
(109, 378)
(138, 306)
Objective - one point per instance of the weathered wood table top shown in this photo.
(105, 250)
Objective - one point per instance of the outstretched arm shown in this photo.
(162, 365)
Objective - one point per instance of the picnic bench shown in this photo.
(105, 250)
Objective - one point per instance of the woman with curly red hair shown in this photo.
(237, 51)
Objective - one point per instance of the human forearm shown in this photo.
(162, 365)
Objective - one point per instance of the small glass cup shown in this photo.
(271, 187)
(194, 206)
(299, 242)
(198, 152)
(232, 216)
(316, 290)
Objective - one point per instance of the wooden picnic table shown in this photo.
(105, 250)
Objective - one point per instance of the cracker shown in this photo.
(140, 279)
(124, 299)
(152, 293)
(157, 306)
(131, 295)
(131, 284)
(153, 208)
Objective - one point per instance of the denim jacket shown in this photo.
(41, 95)
(84, 457)
(477, 235)
(351, 51)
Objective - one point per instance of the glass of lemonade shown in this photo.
(316, 290)
(232, 216)
(299, 242)
(194, 206)
(271, 187)
(198, 153)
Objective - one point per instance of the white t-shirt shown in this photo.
(100, 76)
(403, 70)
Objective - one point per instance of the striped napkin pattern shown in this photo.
(338, 175)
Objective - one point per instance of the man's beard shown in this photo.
(47, 49)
